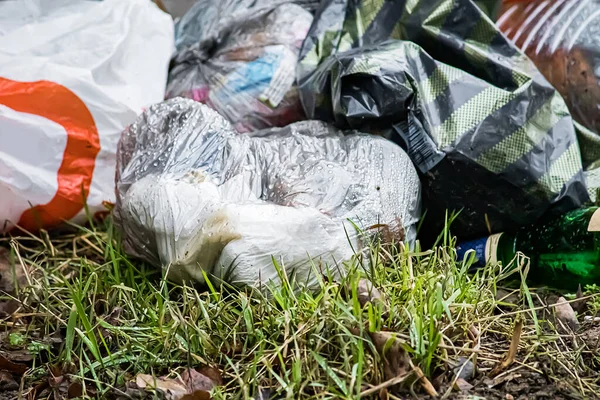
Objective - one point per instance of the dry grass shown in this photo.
(96, 318)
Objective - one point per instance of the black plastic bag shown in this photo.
(487, 132)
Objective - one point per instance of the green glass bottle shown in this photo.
(564, 251)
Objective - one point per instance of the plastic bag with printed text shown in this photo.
(196, 197)
(239, 57)
(489, 135)
(73, 75)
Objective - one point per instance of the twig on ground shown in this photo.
(425, 383)
(386, 384)
(512, 351)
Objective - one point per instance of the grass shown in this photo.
(102, 318)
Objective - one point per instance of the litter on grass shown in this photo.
(564, 250)
(300, 203)
(196, 197)
(566, 50)
(488, 134)
(73, 75)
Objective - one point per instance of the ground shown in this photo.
(80, 319)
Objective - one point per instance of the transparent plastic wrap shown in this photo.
(562, 38)
(490, 136)
(193, 195)
(239, 57)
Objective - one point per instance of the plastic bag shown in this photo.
(194, 196)
(561, 37)
(491, 8)
(73, 75)
(239, 57)
(490, 136)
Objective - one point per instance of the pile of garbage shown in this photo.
(195, 195)
(293, 134)
(239, 57)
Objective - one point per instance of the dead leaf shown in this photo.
(7, 382)
(19, 356)
(10, 277)
(75, 390)
(567, 320)
(580, 304)
(462, 385)
(197, 395)
(144, 380)
(367, 292)
(439, 380)
(195, 381)
(56, 381)
(396, 361)
(8, 307)
(190, 385)
(171, 388)
(213, 373)
(512, 351)
(7, 365)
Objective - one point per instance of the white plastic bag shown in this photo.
(73, 75)
(195, 197)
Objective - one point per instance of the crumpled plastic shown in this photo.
(196, 197)
(239, 57)
(562, 39)
(73, 75)
(490, 137)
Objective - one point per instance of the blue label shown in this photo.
(254, 76)
(476, 245)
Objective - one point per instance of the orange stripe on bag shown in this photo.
(57, 103)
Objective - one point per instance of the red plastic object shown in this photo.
(562, 37)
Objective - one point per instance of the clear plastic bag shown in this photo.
(239, 57)
(194, 196)
(562, 37)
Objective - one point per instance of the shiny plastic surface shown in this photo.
(193, 195)
(73, 75)
(562, 37)
(490, 136)
(239, 57)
